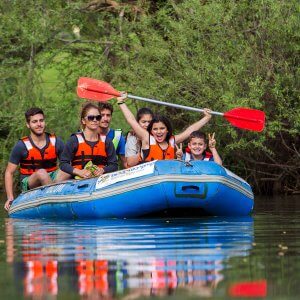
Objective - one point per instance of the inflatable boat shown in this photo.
(163, 188)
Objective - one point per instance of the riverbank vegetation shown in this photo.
(216, 54)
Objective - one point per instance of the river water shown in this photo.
(217, 258)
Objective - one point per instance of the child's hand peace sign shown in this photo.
(211, 141)
(179, 151)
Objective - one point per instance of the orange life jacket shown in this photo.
(155, 151)
(36, 159)
(86, 153)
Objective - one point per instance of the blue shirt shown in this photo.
(120, 150)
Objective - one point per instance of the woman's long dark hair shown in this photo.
(165, 121)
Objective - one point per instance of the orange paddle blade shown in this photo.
(94, 89)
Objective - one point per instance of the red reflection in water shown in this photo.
(40, 278)
(249, 289)
(92, 275)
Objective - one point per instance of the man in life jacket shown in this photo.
(36, 154)
(115, 135)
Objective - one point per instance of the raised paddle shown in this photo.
(245, 118)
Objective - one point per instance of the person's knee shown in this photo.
(61, 176)
(40, 177)
(42, 174)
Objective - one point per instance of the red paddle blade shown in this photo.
(86, 94)
(94, 89)
(246, 118)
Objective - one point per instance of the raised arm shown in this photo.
(181, 137)
(212, 147)
(141, 133)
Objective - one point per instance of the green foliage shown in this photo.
(216, 54)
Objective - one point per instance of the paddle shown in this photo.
(245, 118)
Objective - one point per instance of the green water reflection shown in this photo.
(221, 258)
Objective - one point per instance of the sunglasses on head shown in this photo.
(93, 118)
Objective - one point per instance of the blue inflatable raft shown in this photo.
(167, 188)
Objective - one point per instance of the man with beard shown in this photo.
(37, 155)
(113, 134)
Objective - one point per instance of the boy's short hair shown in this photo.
(197, 134)
(106, 105)
(32, 112)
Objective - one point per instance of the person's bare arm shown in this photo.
(212, 147)
(84, 173)
(9, 182)
(181, 137)
(141, 133)
(133, 160)
(124, 161)
(216, 156)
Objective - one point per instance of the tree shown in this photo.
(217, 54)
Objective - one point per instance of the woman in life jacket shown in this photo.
(87, 146)
(158, 141)
(133, 144)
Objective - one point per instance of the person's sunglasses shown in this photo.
(93, 118)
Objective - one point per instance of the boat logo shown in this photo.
(134, 172)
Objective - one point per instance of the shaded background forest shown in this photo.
(217, 54)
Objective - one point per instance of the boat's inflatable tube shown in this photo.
(156, 187)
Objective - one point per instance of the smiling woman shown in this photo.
(87, 147)
(158, 141)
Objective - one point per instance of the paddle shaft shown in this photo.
(173, 105)
(189, 108)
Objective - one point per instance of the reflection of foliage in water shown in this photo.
(219, 55)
